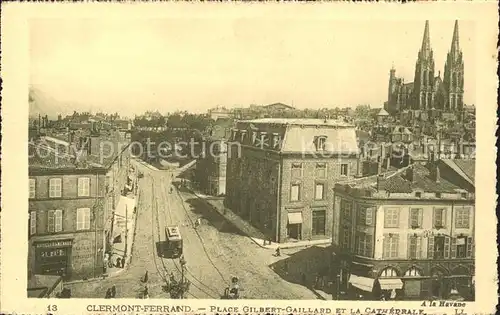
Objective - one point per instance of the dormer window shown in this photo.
(235, 132)
(418, 194)
(320, 143)
(243, 134)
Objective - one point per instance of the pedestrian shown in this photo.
(108, 294)
(393, 294)
(146, 292)
(113, 291)
(264, 242)
(172, 277)
(118, 262)
(278, 252)
(123, 262)
(270, 241)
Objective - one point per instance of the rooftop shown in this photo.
(401, 182)
(301, 122)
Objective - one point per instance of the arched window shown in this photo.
(454, 79)
(425, 78)
(413, 272)
(389, 272)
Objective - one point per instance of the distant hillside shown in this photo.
(43, 104)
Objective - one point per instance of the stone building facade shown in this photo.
(70, 195)
(411, 232)
(281, 171)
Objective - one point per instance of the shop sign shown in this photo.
(55, 244)
(53, 253)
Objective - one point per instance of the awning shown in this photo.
(295, 218)
(363, 283)
(390, 284)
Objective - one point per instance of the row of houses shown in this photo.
(77, 184)
(388, 214)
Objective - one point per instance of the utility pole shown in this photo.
(183, 284)
(126, 230)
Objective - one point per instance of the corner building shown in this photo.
(410, 231)
(280, 173)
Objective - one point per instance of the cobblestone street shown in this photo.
(214, 252)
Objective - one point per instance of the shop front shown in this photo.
(53, 258)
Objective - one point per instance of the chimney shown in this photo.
(437, 174)
(380, 181)
(359, 166)
(409, 174)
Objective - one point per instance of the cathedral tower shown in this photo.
(424, 74)
(454, 75)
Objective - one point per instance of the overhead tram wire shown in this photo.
(199, 236)
(155, 206)
(154, 251)
(163, 193)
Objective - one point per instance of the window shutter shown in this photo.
(58, 221)
(446, 247)
(470, 247)
(453, 247)
(357, 245)
(369, 246)
(443, 222)
(79, 219)
(87, 219)
(430, 248)
(33, 222)
(385, 247)
(400, 244)
(50, 221)
(419, 247)
(409, 246)
(369, 216)
(420, 215)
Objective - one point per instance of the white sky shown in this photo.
(133, 65)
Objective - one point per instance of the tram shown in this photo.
(173, 245)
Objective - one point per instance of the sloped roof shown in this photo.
(465, 168)
(338, 140)
(383, 112)
(422, 180)
(278, 105)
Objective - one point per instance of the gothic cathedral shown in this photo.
(428, 91)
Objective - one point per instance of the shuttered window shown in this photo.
(391, 244)
(32, 222)
(414, 247)
(54, 221)
(462, 218)
(470, 247)
(416, 218)
(83, 186)
(58, 220)
(83, 219)
(55, 187)
(439, 218)
(32, 188)
(365, 215)
(364, 244)
(391, 218)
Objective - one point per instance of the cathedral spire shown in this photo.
(455, 46)
(426, 42)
